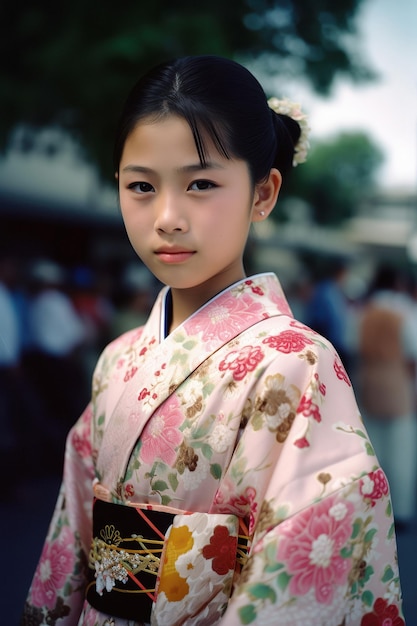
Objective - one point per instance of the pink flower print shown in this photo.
(374, 486)
(308, 408)
(161, 435)
(225, 316)
(310, 546)
(81, 443)
(241, 362)
(55, 566)
(242, 505)
(288, 341)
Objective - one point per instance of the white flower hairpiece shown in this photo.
(293, 110)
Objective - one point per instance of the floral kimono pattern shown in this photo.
(241, 418)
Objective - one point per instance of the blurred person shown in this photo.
(10, 354)
(327, 308)
(57, 334)
(132, 299)
(387, 350)
(220, 473)
(91, 296)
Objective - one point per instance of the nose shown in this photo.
(170, 217)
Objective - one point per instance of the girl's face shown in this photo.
(188, 224)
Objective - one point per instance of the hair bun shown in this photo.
(295, 121)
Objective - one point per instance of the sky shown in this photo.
(387, 108)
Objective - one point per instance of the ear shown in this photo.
(266, 195)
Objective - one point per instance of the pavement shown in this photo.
(24, 519)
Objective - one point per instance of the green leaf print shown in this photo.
(257, 421)
(216, 470)
(370, 535)
(173, 481)
(282, 580)
(361, 433)
(159, 485)
(100, 420)
(129, 473)
(368, 598)
(207, 451)
(356, 529)
(262, 592)
(369, 449)
(388, 574)
(208, 389)
(204, 428)
(189, 345)
(247, 614)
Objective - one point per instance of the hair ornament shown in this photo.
(293, 110)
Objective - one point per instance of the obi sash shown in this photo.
(134, 556)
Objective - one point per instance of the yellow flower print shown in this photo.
(174, 586)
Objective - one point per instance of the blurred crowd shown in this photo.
(375, 335)
(53, 325)
(54, 322)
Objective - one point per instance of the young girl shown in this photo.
(221, 473)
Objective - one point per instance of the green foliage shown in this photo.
(337, 174)
(69, 65)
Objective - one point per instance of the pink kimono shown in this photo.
(242, 424)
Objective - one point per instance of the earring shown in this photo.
(262, 213)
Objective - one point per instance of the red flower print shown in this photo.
(322, 386)
(130, 373)
(143, 394)
(222, 549)
(302, 443)
(242, 362)
(374, 486)
(341, 372)
(383, 614)
(129, 490)
(288, 341)
(308, 408)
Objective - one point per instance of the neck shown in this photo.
(185, 302)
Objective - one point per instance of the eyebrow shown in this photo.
(193, 167)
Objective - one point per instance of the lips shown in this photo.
(174, 255)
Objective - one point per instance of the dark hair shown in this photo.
(221, 99)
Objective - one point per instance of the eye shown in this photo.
(202, 185)
(141, 187)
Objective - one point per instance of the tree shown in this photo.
(68, 65)
(338, 173)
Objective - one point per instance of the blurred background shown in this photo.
(343, 237)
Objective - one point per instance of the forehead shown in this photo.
(169, 136)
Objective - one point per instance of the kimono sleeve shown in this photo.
(58, 585)
(324, 548)
(332, 563)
